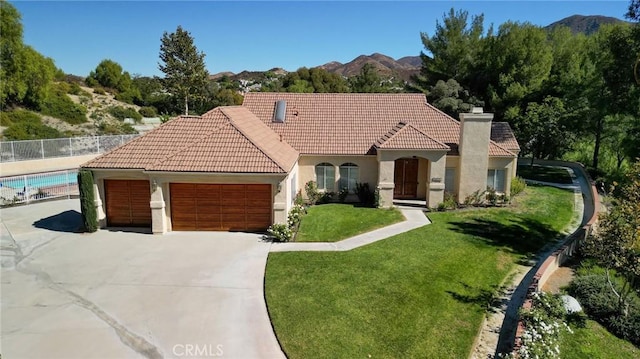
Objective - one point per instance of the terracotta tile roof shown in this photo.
(344, 124)
(406, 136)
(502, 134)
(226, 139)
(495, 150)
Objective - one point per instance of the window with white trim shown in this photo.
(325, 176)
(349, 176)
(495, 179)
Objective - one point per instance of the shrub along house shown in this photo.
(240, 167)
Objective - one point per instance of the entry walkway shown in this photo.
(414, 218)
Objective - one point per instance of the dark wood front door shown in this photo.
(406, 178)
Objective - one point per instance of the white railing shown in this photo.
(38, 186)
(12, 151)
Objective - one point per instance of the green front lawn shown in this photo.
(333, 222)
(418, 294)
(544, 174)
(595, 342)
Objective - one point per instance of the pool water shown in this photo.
(38, 181)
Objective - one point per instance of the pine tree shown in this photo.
(183, 65)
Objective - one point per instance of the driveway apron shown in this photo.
(125, 294)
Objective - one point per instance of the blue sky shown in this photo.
(244, 35)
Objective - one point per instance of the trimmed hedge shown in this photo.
(87, 201)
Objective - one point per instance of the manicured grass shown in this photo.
(333, 222)
(545, 174)
(595, 342)
(418, 294)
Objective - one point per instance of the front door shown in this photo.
(406, 178)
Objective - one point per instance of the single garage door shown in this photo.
(220, 207)
(128, 203)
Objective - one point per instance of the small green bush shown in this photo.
(26, 125)
(87, 201)
(517, 186)
(342, 195)
(326, 197)
(107, 128)
(280, 232)
(298, 200)
(593, 291)
(5, 120)
(295, 216)
(121, 113)
(450, 201)
(313, 195)
(59, 105)
(366, 196)
(99, 91)
(148, 111)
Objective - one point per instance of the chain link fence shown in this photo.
(12, 151)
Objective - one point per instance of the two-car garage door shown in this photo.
(220, 207)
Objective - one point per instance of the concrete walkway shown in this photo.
(414, 218)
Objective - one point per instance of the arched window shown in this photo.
(325, 176)
(349, 176)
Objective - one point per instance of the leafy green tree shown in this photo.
(25, 75)
(451, 98)
(368, 81)
(546, 133)
(315, 80)
(452, 51)
(109, 74)
(183, 65)
(634, 10)
(612, 88)
(616, 244)
(520, 63)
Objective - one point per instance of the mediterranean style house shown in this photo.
(240, 167)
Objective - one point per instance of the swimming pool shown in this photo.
(40, 180)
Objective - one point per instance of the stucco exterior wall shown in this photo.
(367, 169)
(509, 164)
(430, 174)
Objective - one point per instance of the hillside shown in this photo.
(584, 24)
(104, 116)
(403, 68)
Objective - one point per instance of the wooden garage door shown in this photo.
(220, 207)
(128, 203)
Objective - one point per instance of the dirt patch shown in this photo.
(559, 279)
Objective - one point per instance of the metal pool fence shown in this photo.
(12, 151)
(38, 186)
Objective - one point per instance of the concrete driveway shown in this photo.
(117, 294)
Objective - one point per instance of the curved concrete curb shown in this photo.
(414, 218)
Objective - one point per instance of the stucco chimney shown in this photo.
(475, 133)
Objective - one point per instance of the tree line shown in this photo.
(565, 95)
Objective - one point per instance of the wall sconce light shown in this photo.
(279, 187)
(154, 186)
